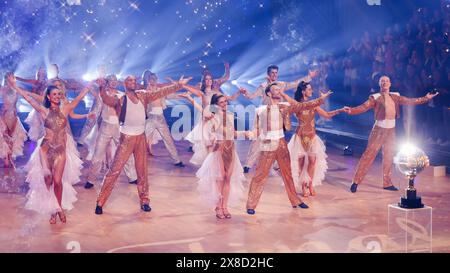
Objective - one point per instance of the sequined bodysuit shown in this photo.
(56, 134)
(224, 139)
(306, 129)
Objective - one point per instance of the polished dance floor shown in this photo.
(337, 220)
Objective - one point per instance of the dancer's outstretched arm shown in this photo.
(11, 81)
(193, 90)
(29, 81)
(366, 106)
(308, 78)
(206, 113)
(416, 101)
(74, 115)
(71, 105)
(329, 114)
(225, 77)
(161, 92)
(258, 93)
(236, 94)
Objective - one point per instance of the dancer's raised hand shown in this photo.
(184, 81)
(430, 95)
(325, 95)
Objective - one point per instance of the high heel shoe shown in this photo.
(219, 213)
(312, 192)
(62, 216)
(53, 219)
(226, 213)
(304, 189)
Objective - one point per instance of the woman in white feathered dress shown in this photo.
(12, 133)
(50, 174)
(306, 149)
(220, 175)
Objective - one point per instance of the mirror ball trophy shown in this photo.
(410, 161)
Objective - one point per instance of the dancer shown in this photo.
(132, 138)
(12, 133)
(109, 136)
(49, 167)
(207, 90)
(270, 121)
(89, 132)
(306, 149)
(37, 129)
(156, 124)
(386, 107)
(217, 83)
(272, 77)
(220, 176)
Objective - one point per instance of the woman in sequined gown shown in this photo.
(50, 189)
(306, 149)
(220, 175)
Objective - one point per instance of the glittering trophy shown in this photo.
(410, 161)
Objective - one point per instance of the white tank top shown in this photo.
(134, 123)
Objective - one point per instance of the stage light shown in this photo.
(408, 149)
(234, 82)
(88, 77)
(52, 71)
(348, 151)
(250, 82)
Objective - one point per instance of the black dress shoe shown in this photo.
(353, 187)
(133, 182)
(146, 208)
(246, 169)
(303, 206)
(88, 185)
(251, 211)
(98, 210)
(391, 188)
(179, 164)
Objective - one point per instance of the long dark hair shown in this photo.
(215, 98)
(146, 76)
(298, 96)
(203, 86)
(49, 89)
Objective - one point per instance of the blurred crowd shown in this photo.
(415, 55)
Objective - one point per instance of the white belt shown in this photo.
(156, 111)
(132, 130)
(111, 120)
(272, 135)
(385, 123)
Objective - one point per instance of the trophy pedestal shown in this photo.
(410, 200)
(410, 230)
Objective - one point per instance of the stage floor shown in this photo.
(337, 220)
